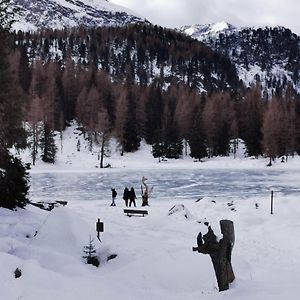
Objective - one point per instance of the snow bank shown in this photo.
(68, 158)
(155, 258)
(154, 253)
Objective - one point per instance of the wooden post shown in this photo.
(272, 202)
(219, 252)
(99, 228)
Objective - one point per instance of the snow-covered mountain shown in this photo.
(145, 53)
(58, 14)
(270, 55)
(208, 31)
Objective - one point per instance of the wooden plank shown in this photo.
(130, 212)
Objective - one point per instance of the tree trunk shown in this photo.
(219, 252)
(102, 153)
(34, 145)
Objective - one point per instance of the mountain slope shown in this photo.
(206, 32)
(270, 55)
(139, 52)
(57, 14)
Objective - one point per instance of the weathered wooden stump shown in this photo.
(219, 252)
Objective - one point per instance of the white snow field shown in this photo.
(154, 253)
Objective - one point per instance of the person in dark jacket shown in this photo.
(113, 196)
(126, 196)
(132, 197)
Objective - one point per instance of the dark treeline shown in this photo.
(262, 46)
(138, 53)
(167, 115)
(268, 48)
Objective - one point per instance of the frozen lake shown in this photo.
(167, 184)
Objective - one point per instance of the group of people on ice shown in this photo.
(129, 196)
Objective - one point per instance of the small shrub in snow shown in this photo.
(18, 273)
(90, 254)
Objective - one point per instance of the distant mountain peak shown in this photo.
(58, 14)
(206, 31)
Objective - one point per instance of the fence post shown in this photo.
(99, 228)
(272, 202)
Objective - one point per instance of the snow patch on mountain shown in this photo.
(33, 15)
(208, 31)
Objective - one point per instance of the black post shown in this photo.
(272, 202)
(99, 228)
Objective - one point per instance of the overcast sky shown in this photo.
(175, 13)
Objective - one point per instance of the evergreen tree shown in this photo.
(173, 145)
(158, 150)
(90, 254)
(252, 121)
(70, 87)
(216, 123)
(24, 71)
(11, 131)
(131, 140)
(197, 140)
(48, 144)
(153, 110)
(14, 183)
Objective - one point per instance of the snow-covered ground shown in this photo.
(68, 159)
(154, 253)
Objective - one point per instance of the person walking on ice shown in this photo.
(132, 197)
(126, 196)
(113, 196)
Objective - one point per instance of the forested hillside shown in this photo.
(270, 54)
(146, 82)
(138, 53)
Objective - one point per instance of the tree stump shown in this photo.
(145, 192)
(219, 252)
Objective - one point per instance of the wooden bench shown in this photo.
(48, 205)
(43, 205)
(135, 212)
(63, 203)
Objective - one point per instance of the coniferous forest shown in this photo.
(145, 82)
